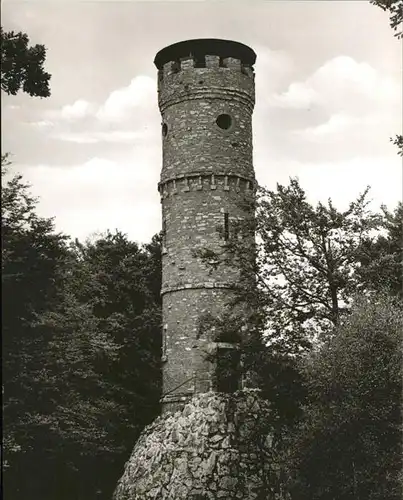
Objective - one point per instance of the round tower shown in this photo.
(206, 96)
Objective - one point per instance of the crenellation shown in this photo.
(232, 63)
(212, 61)
(206, 62)
(169, 68)
(187, 63)
(248, 70)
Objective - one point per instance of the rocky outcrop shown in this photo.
(218, 446)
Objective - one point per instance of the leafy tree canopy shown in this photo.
(307, 263)
(22, 65)
(81, 364)
(395, 9)
(348, 442)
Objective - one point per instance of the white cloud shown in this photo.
(297, 96)
(140, 93)
(341, 84)
(128, 114)
(357, 107)
(355, 98)
(337, 123)
(101, 194)
(342, 181)
(113, 136)
(79, 109)
(276, 63)
(357, 135)
(272, 71)
(43, 124)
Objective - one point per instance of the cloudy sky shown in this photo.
(328, 90)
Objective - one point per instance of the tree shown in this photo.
(395, 9)
(22, 65)
(348, 442)
(81, 364)
(61, 427)
(34, 264)
(117, 282)
(306, 266)
(382, 258)
(398, 141)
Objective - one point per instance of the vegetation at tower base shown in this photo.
(360, 254)
(218, 446)
(81, 352)
(348, 442)
(22, 66)
(75, 402)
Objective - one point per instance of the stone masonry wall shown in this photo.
(207, 172)
(220, 446)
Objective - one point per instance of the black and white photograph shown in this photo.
(202, 249)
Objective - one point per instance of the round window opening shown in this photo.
(224, 121)
(164, 129)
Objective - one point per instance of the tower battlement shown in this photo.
(207, 61)
(205, 68)
(206, 95)
(215, 49)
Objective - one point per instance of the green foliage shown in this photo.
(348, 443)
(22, 66)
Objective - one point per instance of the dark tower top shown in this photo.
(200, 47)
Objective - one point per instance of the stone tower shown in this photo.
(206, 96)
(220, 442)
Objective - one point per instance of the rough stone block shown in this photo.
(185, 453)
